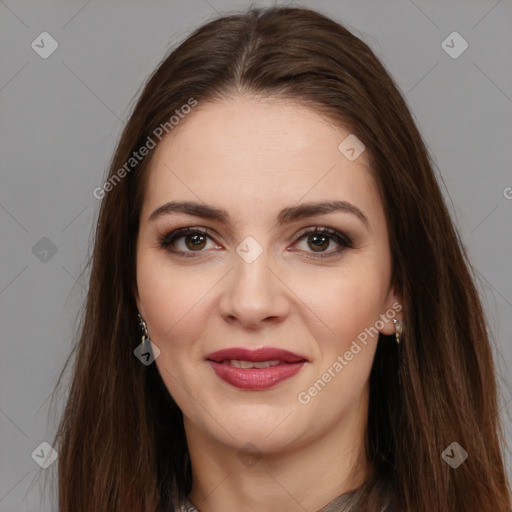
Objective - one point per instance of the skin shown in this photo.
(254, 157)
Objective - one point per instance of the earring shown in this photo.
(147, 351)
(398, 330)
(144, 328)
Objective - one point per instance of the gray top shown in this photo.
(339, 504)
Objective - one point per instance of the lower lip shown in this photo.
(256, 378)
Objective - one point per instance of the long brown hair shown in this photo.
(121, 441)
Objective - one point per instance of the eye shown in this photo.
(194, 241)
(319, 239)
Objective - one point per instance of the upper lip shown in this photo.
(257, 355)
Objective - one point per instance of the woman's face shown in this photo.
(249, 277)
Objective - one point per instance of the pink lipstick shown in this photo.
(255, 369)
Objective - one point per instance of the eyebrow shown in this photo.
(285, 216)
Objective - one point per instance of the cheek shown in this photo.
(346, 301)
(354, 305)
(170, 300)
(349, 305)
(172, 307)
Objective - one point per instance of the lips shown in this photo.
(261, 354)
(255, 369)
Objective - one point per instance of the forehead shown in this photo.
(248, 155)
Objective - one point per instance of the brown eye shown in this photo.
(318, 242)
(319, 239)
(197, 241)
(194, 241)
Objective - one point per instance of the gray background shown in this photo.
(61, 117)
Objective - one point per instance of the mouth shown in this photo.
(255, 369)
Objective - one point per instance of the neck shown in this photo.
(305, 477)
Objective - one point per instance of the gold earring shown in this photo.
(399, 329)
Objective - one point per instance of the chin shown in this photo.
(268, 434)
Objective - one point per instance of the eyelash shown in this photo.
(344, 241)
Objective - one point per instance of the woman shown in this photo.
(310, 334)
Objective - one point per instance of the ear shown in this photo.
(393, 309)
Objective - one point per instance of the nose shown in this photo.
(254, 294)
